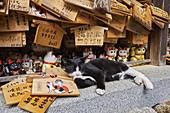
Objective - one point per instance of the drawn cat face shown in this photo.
(73, 66)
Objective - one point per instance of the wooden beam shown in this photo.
(158, 38)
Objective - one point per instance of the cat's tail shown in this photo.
(139, 78)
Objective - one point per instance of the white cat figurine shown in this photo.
(49, 61)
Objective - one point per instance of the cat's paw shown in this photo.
(148, 85)
(100, 91)
(138, 80)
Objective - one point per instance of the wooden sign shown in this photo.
(85, 18)
(56, 71)
(158, 23)
(119, 7)
(14, 82)
(128, 2)
(142, 16)
(14, 22)
(112, 33)
(87, 4)
(118, 22)
(134, 38)
(109, 40)
(19, 5)
(49, 36)
(14, 94)
(35, 104)
(89, 35)
(54, 86)
(156, 11)
(135, 26)
(64, 9)
(39, 2)
(12, 39)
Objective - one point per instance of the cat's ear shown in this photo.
(9, 61)
(84, 58)
(0, 62)
(19, 60)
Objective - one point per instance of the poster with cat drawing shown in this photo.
(54, 86)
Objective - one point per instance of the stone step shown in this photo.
(121, 96)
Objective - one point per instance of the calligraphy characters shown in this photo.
(57, 87)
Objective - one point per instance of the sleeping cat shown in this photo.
(99, 70)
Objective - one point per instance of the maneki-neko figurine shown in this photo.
(123, 54)
(137, 53)
(88, 52)
(49, 61)
(111, 53)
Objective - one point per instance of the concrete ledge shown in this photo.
(121, 96)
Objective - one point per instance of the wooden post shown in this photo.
(158, 38)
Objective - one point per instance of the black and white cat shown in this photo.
(99, 70)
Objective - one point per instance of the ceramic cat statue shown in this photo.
(137, 53)
(111, 53)
(123, 54)
(49, 61)
(89, 53)
(27, 64)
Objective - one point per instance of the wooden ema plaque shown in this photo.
(54, 86)
(56, 71)
(87, 4)
(119, 7)
(14, 94)
(109, 40)
(35, 104)
(142, 16)
(4, 10)
(135, 26)
(112, 33)
(64, 9)
(156, 11)
(12, 39)
(85, 18)
(134, 38)
(14, 82)
(19, 5)
(89, 35)
(14, 22)
(49, 36)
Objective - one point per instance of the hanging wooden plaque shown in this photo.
(158, 23)
(19, 5)
(88, 4)
(142, 16)
(156, 11)
(14, 22)
(64, 9)
(134, 38)
(49, 36)
(14, 94)
(112, 33)
(119, 7)
(35, 104)
(85, 18)
(4, 10)
(12, 39)
(89, 35)
(54, 86)
(135, 26)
